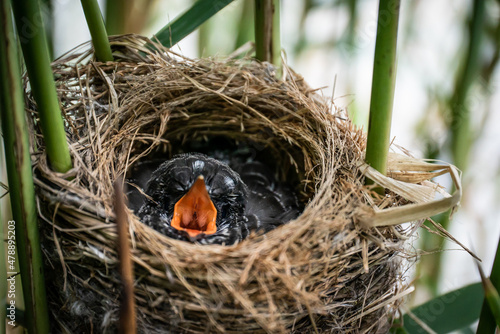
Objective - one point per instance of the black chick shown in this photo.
(197, 198)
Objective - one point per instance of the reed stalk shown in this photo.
(36, 56)
(245, 24)
(21, 187)
(383, 83)
(48, 12)
(3, 272)
(127, 17)
(97, 30)
(204, 39)
(351, 27)
(267, 31)
(189, 21)
(115, 17)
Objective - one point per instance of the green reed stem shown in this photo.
(115, 17)
(21, 187)
(383, 82)
(48, 12)
(97, 30)
(267, 31)
(245, 24)
(3, 272)
(36, 56)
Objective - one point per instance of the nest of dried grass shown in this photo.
(321, 272)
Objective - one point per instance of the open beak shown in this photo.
(195, 212)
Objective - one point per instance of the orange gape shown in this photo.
(194, 212)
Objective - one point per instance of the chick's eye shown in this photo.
(222, 184)
(181, 180)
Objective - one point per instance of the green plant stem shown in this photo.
(127, 17)
(34, 45)
(21, 187)
(267, 31)
(97, 30)
(204, 39)
(115, 17)
(189, 21)
(49, 25)
(460, 114)
(487, 323)
(353, 20)
(3, 272)
(245, 24)
(383, 83)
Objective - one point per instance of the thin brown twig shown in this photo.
(127, 323)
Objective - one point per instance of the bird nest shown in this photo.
(333, 269)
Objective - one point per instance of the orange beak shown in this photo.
(194, 212)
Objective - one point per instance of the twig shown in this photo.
(127, 324)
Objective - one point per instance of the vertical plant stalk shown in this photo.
(3, 271)
(487, 323)
(48, 12)
(383, 83)
(267, 31)
(22, 192)
(350, 51)
(245, 24)
(138, 15)
(351, 27)
(204, 39)
(97, 30)
(115, 16)
(460, 114)
(36, 55)
(127, 312)
(127, 16)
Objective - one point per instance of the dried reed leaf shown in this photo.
(425, 205)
